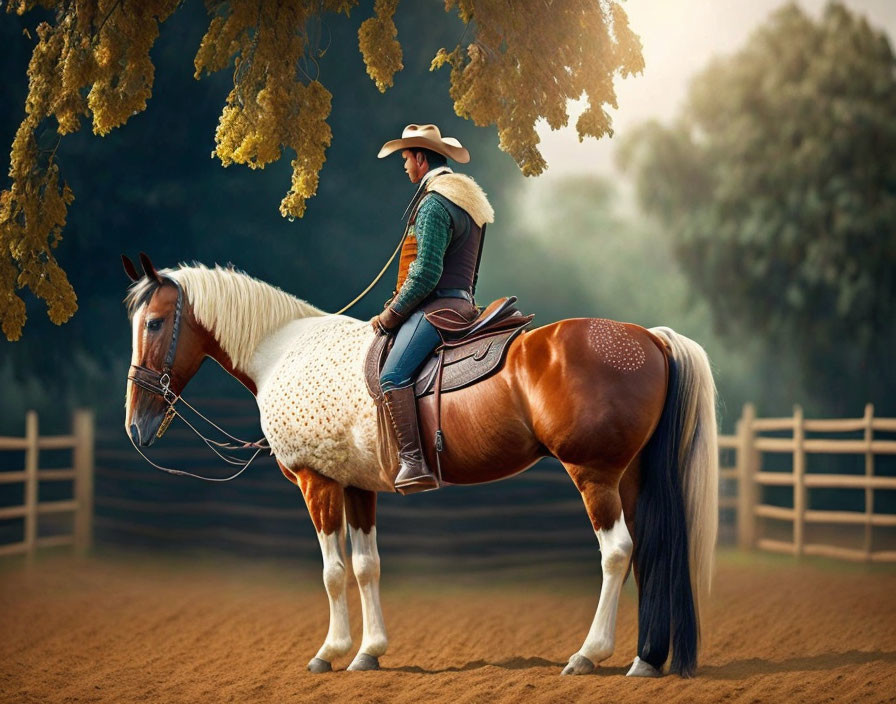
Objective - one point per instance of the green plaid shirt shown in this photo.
(432, 228)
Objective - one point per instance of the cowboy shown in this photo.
(437, 272)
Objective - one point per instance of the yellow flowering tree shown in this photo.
(515, 64)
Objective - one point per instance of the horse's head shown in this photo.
(168, 349)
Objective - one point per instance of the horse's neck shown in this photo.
(294, 335)
(241, 314)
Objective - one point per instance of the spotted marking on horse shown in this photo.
(616, 345)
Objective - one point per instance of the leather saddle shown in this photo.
(471, 350)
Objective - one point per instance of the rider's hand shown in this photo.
(377, 325)
(389, 319)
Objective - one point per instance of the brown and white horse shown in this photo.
(629, 412)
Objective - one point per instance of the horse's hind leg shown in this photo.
(600, 493)
(360, 509)
(325, 502)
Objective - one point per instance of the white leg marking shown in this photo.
(366, 565)
(615, 553)
(339, 637)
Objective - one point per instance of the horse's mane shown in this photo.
(238, 309)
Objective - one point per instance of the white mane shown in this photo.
(238, 309)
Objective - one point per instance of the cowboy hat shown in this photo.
(426, 137)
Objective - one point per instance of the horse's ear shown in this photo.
(129, 268)
(149, 269)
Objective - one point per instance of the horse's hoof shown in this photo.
(317, 666)
(578, 665)
(363, 661)
(640, 668)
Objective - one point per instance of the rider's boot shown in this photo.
(414, 475)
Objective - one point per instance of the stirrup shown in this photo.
(413, 485)
(417, 485)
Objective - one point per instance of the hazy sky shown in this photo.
(679, 38)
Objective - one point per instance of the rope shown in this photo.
(376, 280)
(421, 189)
(243, 444)
(213, 445)
(181, 473)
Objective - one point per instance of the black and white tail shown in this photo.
(677, 515)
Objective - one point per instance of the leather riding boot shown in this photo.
(414, 475)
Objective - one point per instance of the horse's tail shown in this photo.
(677, 514)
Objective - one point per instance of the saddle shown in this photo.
(471, 350)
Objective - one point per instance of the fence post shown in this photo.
(31, 460)
(799, 484)
(869, 472)
(83, 461)
(746, 480)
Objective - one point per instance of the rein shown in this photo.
(418, 194)
(376, 280)
(159, 383)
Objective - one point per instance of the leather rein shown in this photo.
(159, 383)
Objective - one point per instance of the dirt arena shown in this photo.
(140, 629)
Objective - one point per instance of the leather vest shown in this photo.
(460, 264)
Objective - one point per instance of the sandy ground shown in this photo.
(143, 629)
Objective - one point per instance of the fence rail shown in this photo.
(751, 477)
(264, 512)
(81, 474)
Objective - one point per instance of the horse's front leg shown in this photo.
(325, 502)
(360, 509)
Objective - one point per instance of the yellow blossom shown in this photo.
(520, 63)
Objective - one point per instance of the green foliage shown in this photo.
(778, 187)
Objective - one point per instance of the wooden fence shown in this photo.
(473, 524)
(487, 525)
(80, 473)
(750, 445)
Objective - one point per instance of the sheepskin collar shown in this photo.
(465, 193)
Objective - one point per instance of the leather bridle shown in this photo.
(159, 383)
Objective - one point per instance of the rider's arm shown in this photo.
(432, 228)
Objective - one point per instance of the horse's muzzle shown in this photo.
(145, 431)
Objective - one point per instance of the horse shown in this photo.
(629, 412)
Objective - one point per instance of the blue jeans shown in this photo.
(414, 342)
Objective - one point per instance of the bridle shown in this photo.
(159, 383)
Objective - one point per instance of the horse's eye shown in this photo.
(154, 325)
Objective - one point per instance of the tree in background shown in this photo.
(153, 187)
(778, 188)
(94, 61)
(595, 260)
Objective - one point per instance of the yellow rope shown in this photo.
(374, 282)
